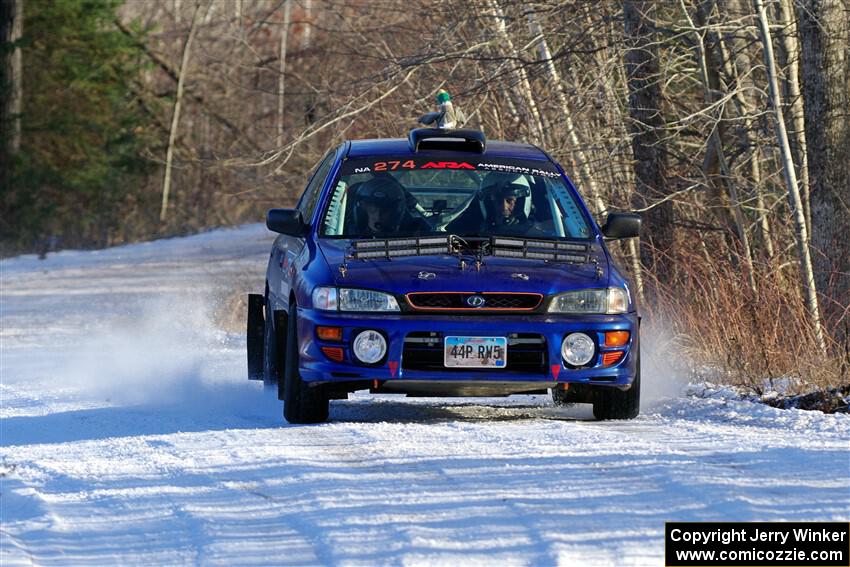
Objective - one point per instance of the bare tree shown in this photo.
(281, 85)
(791, 90)
(505, 47)
(711, 88)
(653, 112)
(737, 64)
(802, 238)
(825, 41)
(648, 145)
(555, 80)
(175, 117)
(307, 29)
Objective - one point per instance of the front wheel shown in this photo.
(612, 403)
(301, 404)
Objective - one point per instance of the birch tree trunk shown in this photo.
(175, 117)
(577, 146)
(795, 101)
(802, 238)
(281, 81)
(307, 25)
(825, 41)
(743, 89)
(505, 46)
(555, 80)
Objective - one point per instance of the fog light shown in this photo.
(577, 349)
(334, 353)
(369, 347)
(616, 338)
(329, 333)
(610, 358)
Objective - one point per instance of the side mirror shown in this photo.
(286, 221)
(622, 225)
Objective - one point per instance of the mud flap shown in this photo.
(255, 336)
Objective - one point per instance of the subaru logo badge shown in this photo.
(475, 301)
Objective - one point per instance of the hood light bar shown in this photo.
(570, 252)
(547, 250)
(368, 249)
(545, 244)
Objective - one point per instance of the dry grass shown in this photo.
(743, 338)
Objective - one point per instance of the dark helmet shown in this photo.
(498, 186)
(383, 197)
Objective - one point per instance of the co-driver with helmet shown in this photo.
(381, 210)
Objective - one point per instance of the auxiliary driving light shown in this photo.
(577, 349)
(369, 346)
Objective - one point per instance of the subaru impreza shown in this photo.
(444, 264)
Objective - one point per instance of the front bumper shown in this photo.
(317, 368)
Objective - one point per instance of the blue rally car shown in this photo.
(444, 265)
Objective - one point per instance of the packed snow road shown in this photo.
(130, 435)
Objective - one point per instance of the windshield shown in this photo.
(384, 198)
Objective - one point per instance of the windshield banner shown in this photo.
(460, 162)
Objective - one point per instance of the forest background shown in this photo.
(726, 123)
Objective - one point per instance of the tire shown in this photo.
(301, 403)
(613, 403)
(272, 350)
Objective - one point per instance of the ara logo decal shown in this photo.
(447, 165)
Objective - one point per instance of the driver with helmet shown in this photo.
(499, 208)
(381, 210)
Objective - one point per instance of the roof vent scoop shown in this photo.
(453, 140)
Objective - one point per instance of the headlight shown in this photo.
(325, 298)
(369, 346)
(577, 349)
(343, 299)
(366, 300)
(612, 300)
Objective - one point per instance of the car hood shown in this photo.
(407, 274)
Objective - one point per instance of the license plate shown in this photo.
(475, 352)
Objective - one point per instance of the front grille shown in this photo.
(457, 301)
(527, 353)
